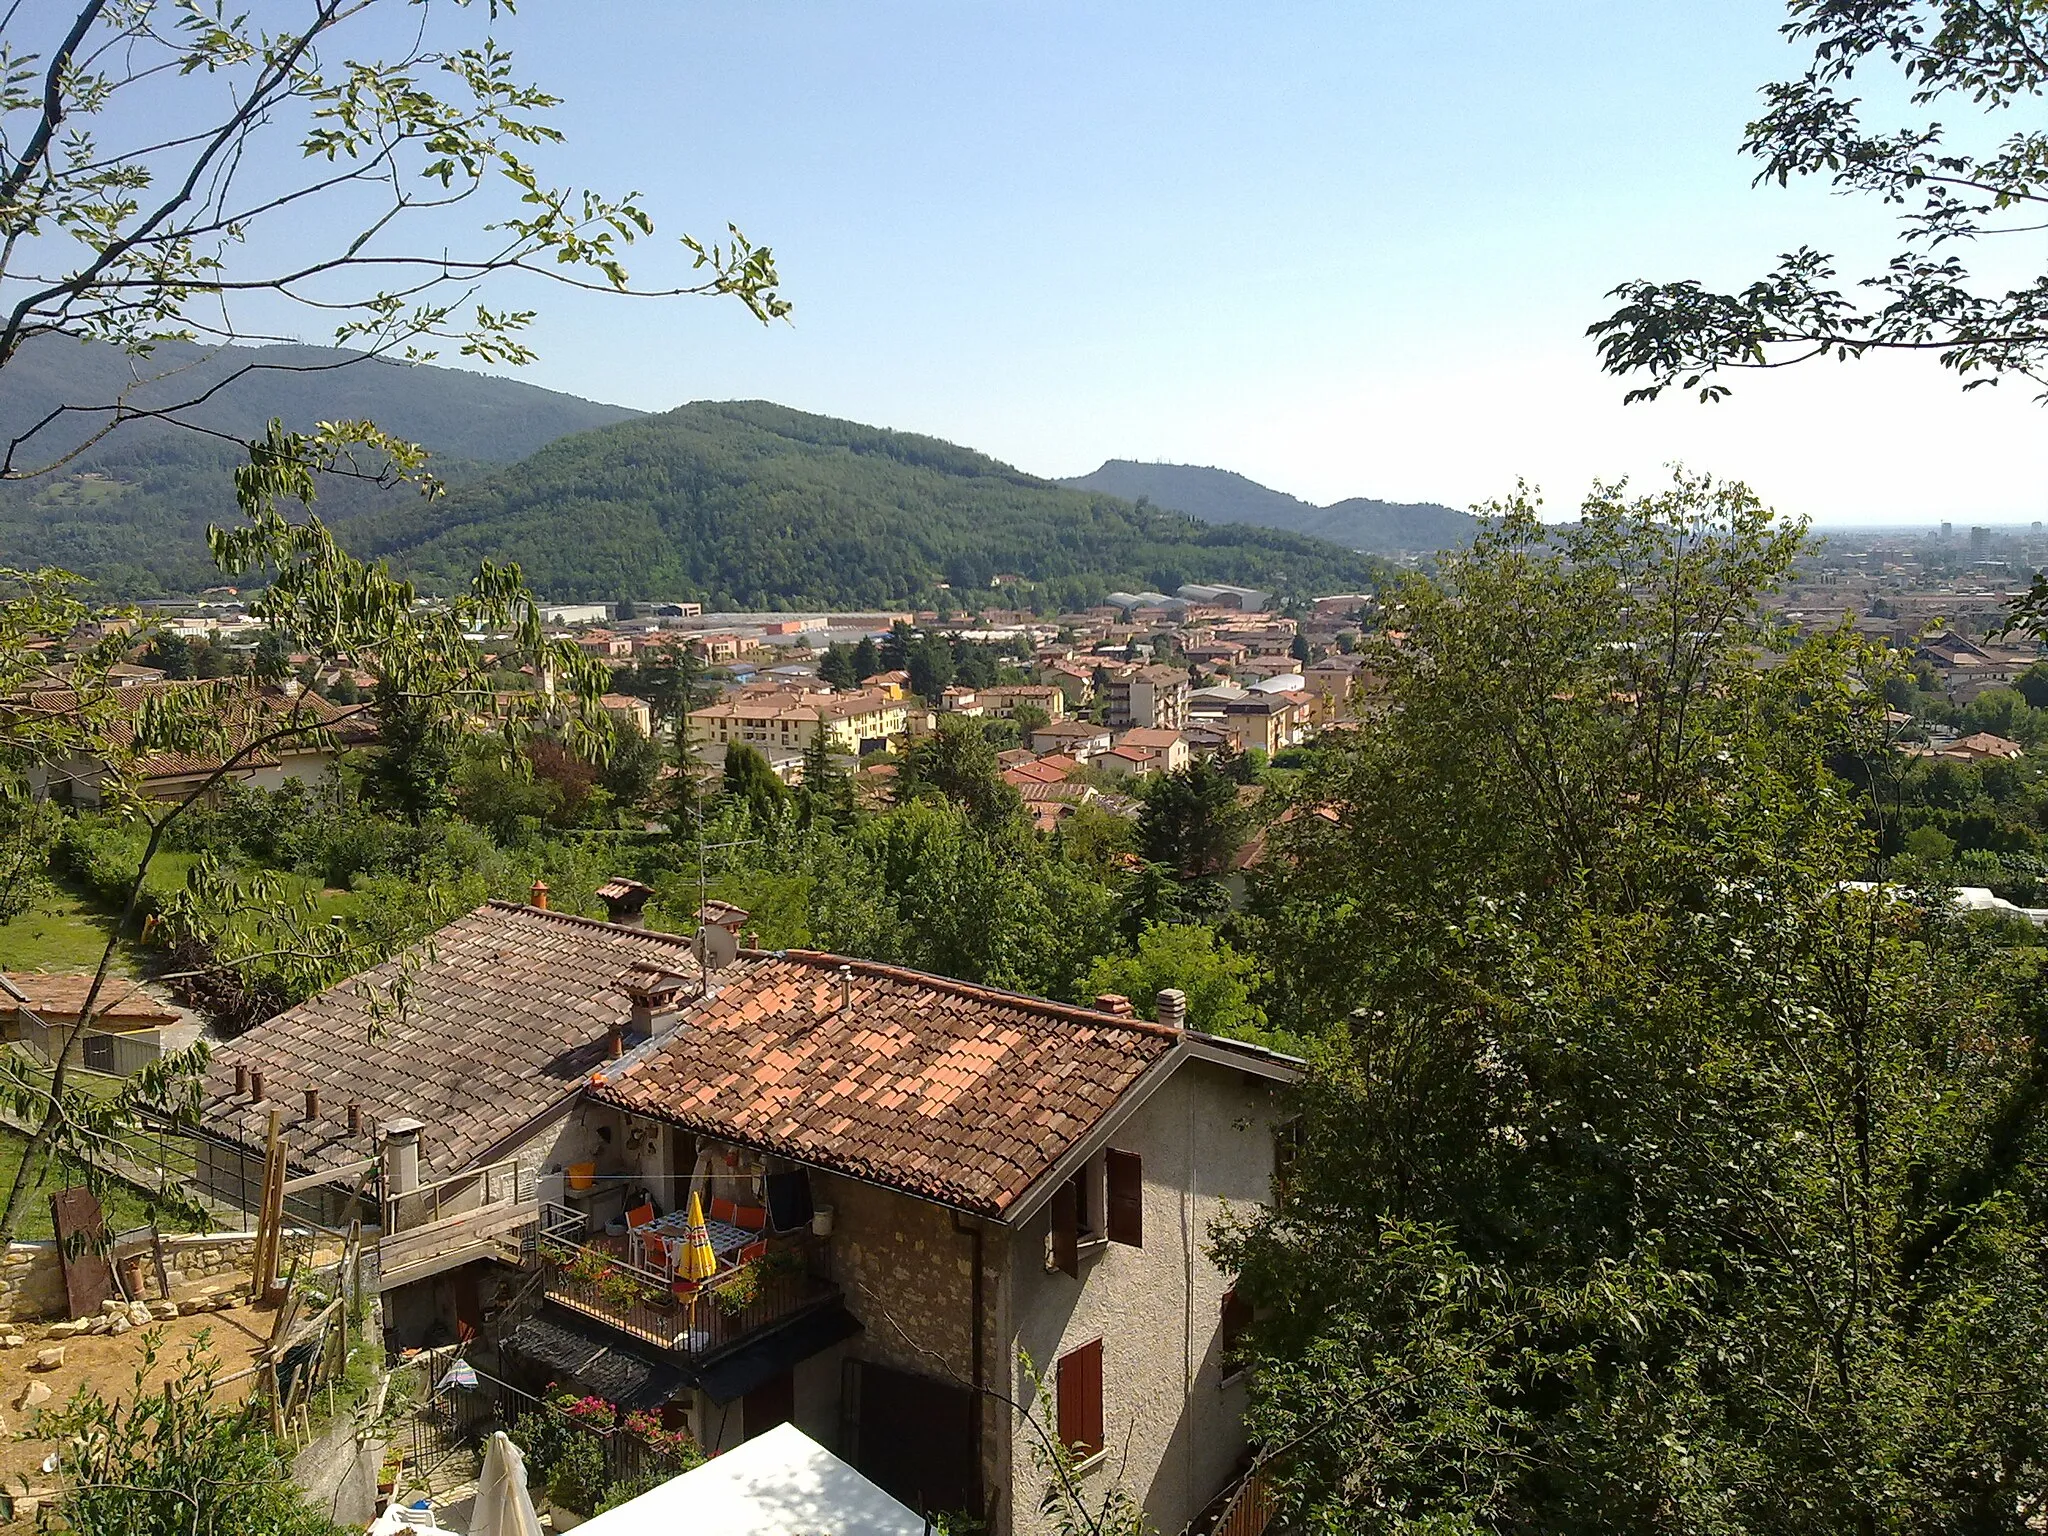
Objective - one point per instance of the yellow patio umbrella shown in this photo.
(699, 1261)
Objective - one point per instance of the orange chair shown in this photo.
(640, 1215)
(721, 1210)
(754, 1251)
(751, 1218)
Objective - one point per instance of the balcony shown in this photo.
(637, 1293)
(482, 1214)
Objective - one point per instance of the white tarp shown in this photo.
(782, 1483)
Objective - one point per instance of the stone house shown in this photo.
(250, 711)
(913, 1185)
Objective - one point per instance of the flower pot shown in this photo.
(821, 1221)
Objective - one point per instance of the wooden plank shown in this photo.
(331, 1176)
(81, 1241)
(455, 1231)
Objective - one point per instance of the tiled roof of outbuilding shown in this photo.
(958, 1093)
(507, 1015)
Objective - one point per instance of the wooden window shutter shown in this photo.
(1078, 1390)
(1066, 1230)
(1126, 1197)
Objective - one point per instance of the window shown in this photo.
(1078, 1392)
(1230, 1336)
(1103, 1203)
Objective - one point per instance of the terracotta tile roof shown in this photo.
(506, 1017)
(123, 1004)
(957, 1093)
(250, 710)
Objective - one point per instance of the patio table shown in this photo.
(726, 1240)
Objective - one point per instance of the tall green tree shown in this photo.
(751, 783)
(836, 667)
(867, 658)
(958, 762)
(1649, 1177)
(1191, 821)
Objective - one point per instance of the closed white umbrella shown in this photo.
(503, 1506)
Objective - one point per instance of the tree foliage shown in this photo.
(1649, 1178)
(1951, 188)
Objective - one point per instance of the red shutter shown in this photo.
(1066, 1230)
(1126, 1198)
(1079, 1392)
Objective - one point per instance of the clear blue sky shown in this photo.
(1344, 248)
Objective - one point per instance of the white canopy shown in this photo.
(782, 1483)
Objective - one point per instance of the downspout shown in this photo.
(974, 1422)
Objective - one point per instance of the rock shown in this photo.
(163, 1311)
(119, 1325)
(138, 1313)
(112, 1306)
(34, 1395)
(97, 1324)
(48, 1360)
(65, 1330)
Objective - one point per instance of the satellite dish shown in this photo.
(715, 947)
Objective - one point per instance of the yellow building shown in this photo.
(856, 723)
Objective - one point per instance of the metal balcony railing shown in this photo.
(697, 1322)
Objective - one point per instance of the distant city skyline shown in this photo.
(1345, 250)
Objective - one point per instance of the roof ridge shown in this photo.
(1069, 1011)
(684, 939)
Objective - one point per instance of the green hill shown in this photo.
(1220, 496)
(751, 505)
(132, 511)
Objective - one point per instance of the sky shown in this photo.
(1347, 249)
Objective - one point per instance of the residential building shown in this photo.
(627, 710)
(720, 647)
(856, 723)
(894, 685)
(605, 645)
(961, 701)
(1078, 739)
(1152, 697)
(918, 1183)
(1154, 751)
(247, 710)
(1004, 701)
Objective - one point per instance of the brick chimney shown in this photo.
(256, 1087)
(1114, 1002)
(241, 1078)
(355, 1119)
(538, 896)
(1171, 1008)
(312, 1103)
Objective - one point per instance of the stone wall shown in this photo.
(32, 1277)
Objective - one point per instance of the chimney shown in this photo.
(1114, 1002)
(1171, 1008)
(312, 1103)
(751, 941)
(256, 1087)
(241, 1078)
(624, 900)
(615, 1039)
(538, 896)
(846, 989)
(402, 1156)
(355, 1119)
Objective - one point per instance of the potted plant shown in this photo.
(739, 1290)
(388, 1472)
(589, 1267)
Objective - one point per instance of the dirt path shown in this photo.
(105, 1364)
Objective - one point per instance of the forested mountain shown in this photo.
(1219, 496)
(132, 511)
(751, 505)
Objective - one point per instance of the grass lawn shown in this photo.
(63, 932)
(123, 1205)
